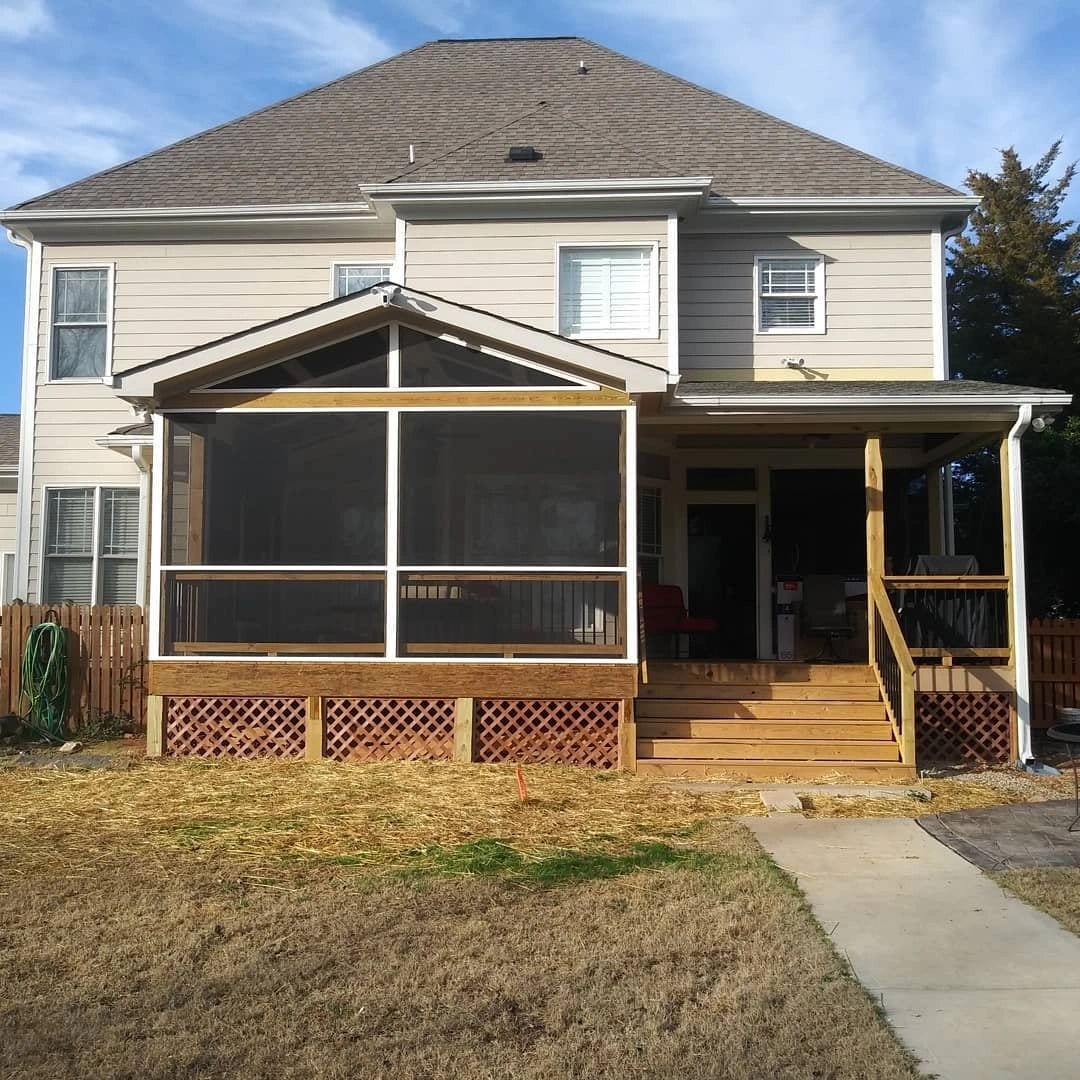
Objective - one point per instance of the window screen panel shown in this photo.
(606, 290)
(359, 361)
(430, 361)
(303, 615)
(787, 312)
(779, 276)
(119, 580)
(302, 489)
(352, 278)
(81, 296)
(119, 521)
(510, 489)
(68, 579)
(80, 316)
(69, 525)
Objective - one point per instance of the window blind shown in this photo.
(606, 291)
(788, 294)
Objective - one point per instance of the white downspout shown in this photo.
(143, 457)
(1018, 584)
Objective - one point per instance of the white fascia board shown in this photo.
(1052, 401)
(123, 442)
(784, 204)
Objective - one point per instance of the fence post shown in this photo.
(313, 730)
(155, 725)
(464, 729)
(627, 736)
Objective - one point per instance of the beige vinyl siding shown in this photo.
(509, 267)
(878, 313)
(168, 297)
(9, 508)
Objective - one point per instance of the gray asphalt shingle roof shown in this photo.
(9, 441)
(461, 104)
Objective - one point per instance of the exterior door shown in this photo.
(722, 553)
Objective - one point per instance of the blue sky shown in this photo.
(937, 85)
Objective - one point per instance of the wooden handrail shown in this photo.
(903, 725)
(946, 581)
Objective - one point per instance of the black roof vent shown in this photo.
(523, 153)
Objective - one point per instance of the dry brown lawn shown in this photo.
(1056, 891)
(183, 921)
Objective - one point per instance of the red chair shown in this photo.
(664, 612)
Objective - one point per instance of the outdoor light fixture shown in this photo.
(1041, 423)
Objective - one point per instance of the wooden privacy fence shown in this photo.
(106, 647)
(1055, 669)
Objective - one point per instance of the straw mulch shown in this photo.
(265, 815)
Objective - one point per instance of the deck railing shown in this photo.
(953, 616)
(894, 666)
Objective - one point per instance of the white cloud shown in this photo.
(54, 130)
(317, 37)
(22, 19)
(936, 87)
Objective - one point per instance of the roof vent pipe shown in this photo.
(581, 68)
(412, 154)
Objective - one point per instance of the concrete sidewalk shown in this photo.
(978, 984)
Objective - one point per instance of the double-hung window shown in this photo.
(789, 294)
(80, 323)
(91, 546)
(608, 291)
(355, 277)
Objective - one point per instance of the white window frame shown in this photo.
(98, 557)
(818, 295)
(652, 332)
(110, 304)
(386, 264)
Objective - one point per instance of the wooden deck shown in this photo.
(763, 720)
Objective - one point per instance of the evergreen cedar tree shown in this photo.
(1014, 316)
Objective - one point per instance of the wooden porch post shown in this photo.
(464, 731)
(935, 499)
(875, 527)
(627, 737)
(155, 725)
(313, 730)
(1007, 543)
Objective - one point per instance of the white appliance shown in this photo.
(789, 595)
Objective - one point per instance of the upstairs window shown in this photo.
(789, 295)
(91, 546)
(608, 292)
(355, 277)
(80, 327)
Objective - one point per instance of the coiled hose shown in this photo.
(43, 680)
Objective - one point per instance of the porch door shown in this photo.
(721, 548)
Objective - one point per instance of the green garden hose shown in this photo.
(44, 680)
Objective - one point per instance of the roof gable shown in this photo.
(457, 102)
(314, 332)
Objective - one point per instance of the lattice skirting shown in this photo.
(395, 729)
(954, 726)
(389, 729)
(547, 732)
(235, 727)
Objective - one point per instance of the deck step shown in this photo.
(775, 770)
(663, 708)
(757, 730)
(717, 750)
(759, 691)
(759, 672)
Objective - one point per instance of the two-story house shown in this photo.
(418, 407)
